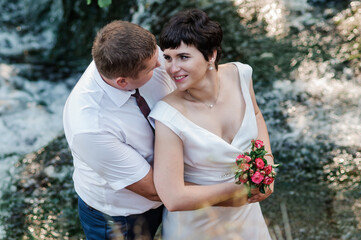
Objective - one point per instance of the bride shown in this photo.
(200, 130)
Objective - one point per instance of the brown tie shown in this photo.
(143, 106)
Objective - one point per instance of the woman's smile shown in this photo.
(179, 78)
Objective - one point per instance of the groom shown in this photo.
(110, 138)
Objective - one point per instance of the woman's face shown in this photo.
(186, 65)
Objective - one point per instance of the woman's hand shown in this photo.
(257, 196)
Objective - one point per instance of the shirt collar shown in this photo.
(119, 97)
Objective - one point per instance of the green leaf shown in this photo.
(104, 3)
(261, 189)
(88, 2)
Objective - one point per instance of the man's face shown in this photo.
(146, 74)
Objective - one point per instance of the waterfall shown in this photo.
(29, 110)
(28, 27)
(312, 104)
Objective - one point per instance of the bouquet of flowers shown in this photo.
(253, 169)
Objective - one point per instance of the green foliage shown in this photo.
(78, 27)
(40, 198)
(349, 26)
(242, 41)
(101, 3)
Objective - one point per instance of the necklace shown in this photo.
(208, 105)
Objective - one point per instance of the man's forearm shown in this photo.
(145, 187)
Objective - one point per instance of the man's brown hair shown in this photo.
(120, 48)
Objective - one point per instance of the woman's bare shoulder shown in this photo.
(228, 70)
(175, 99)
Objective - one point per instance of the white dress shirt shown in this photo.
(111, 141)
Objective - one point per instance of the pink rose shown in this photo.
(259, 163)
(243, 178)
(268, 180)
(242, 157)
(244, 167)
(239, 157)
(268, 169)
(258, 144)
(257, 178)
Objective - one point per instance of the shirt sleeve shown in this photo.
(116, 162)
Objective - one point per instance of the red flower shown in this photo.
(244, 167)
(268, 180)
(255, 171)
(242, 156)
(258, 144)
(259, 163)
(257, 178)
(239, 157)
(268, 169)
(243, 178)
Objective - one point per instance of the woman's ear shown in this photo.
(214, 55)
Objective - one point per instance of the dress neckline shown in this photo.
(246, 99)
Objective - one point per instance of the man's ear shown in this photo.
(121, 82)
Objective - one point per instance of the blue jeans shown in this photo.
(98, 225)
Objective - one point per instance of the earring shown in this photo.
(210, 64)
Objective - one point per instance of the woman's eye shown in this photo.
(184, 57)
(166, 57)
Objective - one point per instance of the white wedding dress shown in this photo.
(208, 159)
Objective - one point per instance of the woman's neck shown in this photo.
(207, 92)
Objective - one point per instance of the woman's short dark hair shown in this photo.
(193, 27)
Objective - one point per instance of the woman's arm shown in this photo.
(169, 177)
(262, 135)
